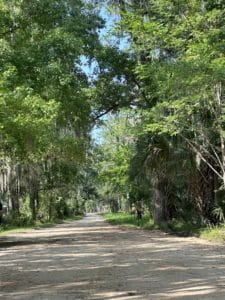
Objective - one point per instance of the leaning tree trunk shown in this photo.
(218, 94)
(209, 192)
(202, 185)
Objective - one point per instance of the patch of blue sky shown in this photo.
(107, 34)
(90, 66)
(107, 37)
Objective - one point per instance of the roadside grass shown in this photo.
(123, 218)
(181, 228)
(7, 228)
(213, 233)
(176, 227)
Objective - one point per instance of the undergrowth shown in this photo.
(16, 227)
(178, 227)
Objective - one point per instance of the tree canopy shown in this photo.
(160, 100)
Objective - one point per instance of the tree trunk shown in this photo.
(14, 189)
(50, 207)
(203, 192)
(33, 183)
(209, 194)
(159, 202)
(219, 112)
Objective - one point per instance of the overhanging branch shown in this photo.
(193, 147)
(106, 112)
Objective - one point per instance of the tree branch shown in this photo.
(116, 105)
(194, 148)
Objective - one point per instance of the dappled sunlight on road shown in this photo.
(90, 259)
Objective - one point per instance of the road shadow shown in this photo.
(96, 261)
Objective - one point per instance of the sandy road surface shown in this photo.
(90, 259)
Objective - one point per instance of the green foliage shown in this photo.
(47, 98)
(183, 58)
(17, 221)
(177, 227)
(213, 233)
(178, 48)
(45, 93)
(122, 218)
(27, 124)
(113, 158)
(218, 213)
(57, 78)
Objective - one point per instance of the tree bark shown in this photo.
(14, 189)
(33, 187)
(159, 202)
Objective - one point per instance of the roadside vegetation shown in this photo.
(180, 228)
(153, 88)
(13, 227)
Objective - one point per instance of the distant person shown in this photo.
(139, 210)
(133, 209)
(1, 211)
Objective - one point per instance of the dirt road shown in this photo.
(90, 259)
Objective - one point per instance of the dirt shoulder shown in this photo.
(90, 259)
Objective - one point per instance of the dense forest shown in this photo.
(151, 87)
